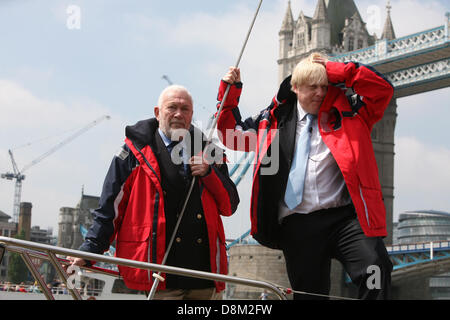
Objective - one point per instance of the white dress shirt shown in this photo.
(324, 184)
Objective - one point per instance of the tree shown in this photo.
(17, 269)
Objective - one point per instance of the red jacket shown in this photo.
(345, 123)
(132, 210)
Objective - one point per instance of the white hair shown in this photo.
(174, 87)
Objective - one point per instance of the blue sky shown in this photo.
(54, 79)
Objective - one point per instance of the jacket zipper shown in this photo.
(152, 237)
(148, 254)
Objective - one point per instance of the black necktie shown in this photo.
(171, 145)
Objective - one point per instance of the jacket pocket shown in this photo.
(374, 210)
(132, 243)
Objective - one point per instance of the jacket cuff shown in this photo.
(233, 95)
(87, 247)
(206, 177)
(337, 71)
(208, 173)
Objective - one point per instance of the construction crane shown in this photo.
(165, 77)
(18, 174)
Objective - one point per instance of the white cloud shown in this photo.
(431, 13)
(56, 181)
(22, 109)
(225, 33)
(421, 176)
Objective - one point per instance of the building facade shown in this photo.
(250, 260)
(72, 220)
(34, 234)
(425, 226)
(25, 220)
(42, 235)
(7, 229)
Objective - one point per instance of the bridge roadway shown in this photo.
(415, 63)
(419, 259)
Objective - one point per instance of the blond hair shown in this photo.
(309, 72)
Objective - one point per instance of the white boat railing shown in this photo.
(29, 250)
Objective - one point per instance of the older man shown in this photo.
(325, 199)
(144, 192)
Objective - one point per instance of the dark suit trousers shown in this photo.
(310, 241)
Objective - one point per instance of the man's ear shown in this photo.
(156, 111)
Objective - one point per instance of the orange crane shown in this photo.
(18, 174)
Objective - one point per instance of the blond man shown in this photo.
(325, 199)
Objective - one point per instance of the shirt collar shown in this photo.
(165, 139)
(301, 113)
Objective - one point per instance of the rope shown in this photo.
(288, 291)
